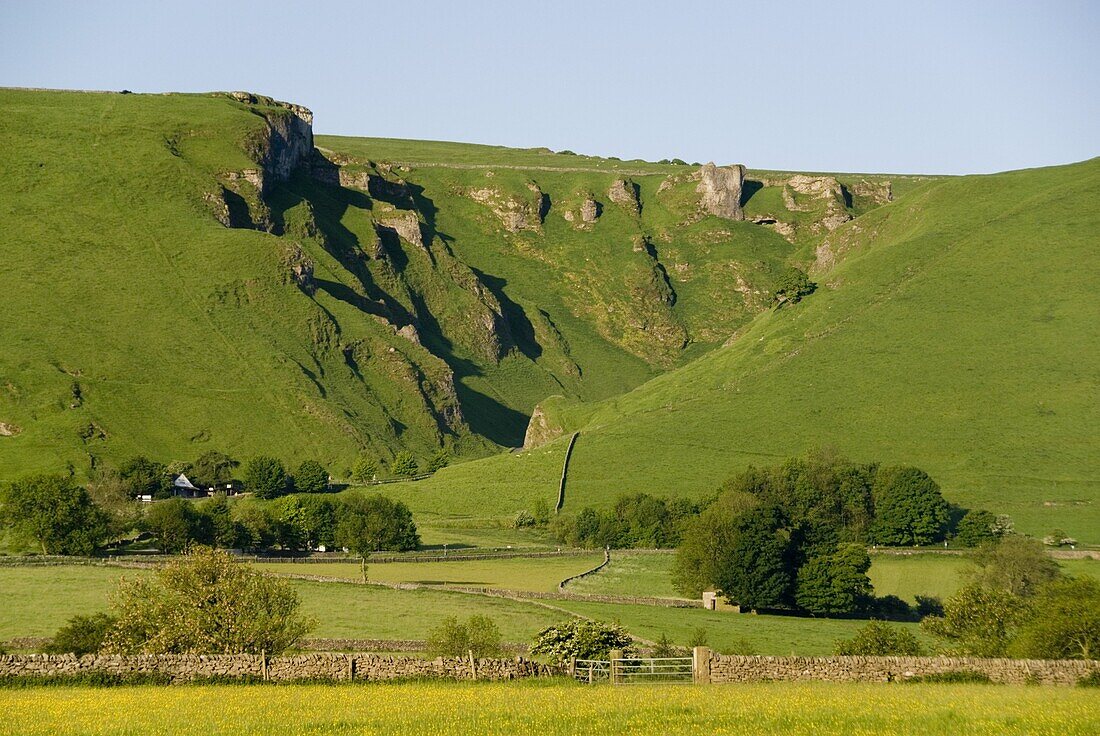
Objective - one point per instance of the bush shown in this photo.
(85, 679)
(311, 477)
(928, 605)
(740, 646)
(665, 648)
(206, 603)
(404, 464)
(698, 638)
(213, 468)
(1092, 679)
(478, 635)
(978, 621)
(581, 639)
(836, 583)
(266, 477)
(976, 528)
(523, 520)
(1066, 624)
(81, 635)
(878, 639)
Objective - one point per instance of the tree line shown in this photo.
(62, 517)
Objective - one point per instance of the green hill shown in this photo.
(186, 272)
(957, 330)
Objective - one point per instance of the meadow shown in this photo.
(38, 600)
(552, 707)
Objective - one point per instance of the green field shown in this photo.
(537, 574)
(906, 576)
(550, 708)
(38, 600)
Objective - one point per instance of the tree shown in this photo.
(266, 477)
(146, 477)
(479, 635)
(370, 523)
(792, 285)
(365, 469)
(580, 638)
(976, 528)
(836, 583)
(213, 468)
(909, 508)
(1067, 624)
(311, 477)
(81, 635)
(260, 530)
(979, 621)
(55, 512)
(318, 520)
(224, 530)
(111, 493)
(177, 524)
(1017, 565)
(758, 572)
(404, 464)
(206, 603)
(707, 545)
(439, 460)
(878, 639)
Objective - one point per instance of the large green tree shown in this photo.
(311, 477)
(836, 583)
(372, 523)
(177, 524)
(909, 508)
(758, 571)
(266, 477)
(55, 513)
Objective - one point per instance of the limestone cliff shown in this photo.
(721, 189)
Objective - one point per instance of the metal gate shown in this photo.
(636, 670)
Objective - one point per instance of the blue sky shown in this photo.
(937, 87)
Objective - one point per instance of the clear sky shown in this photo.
(932, 86)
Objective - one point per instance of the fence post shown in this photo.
(263, 664)
(572, 666)
(615, 656)
(700, 665)
(473, 665)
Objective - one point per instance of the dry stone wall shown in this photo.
(319, 666)
(718, 668)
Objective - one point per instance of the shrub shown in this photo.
(311, 477)
(479, 635)
(212, 468)
(928, 605)
(1092, 679)
(665, 648)
(1015, 564)
(581, 639)
(206, 603)
(266, 477)
(978, 621)
(540, 512)
(81, 635)
(523, 520)
(1066, 624)
(740, 646)
(880, 639)
(698, 638)
(404, 464)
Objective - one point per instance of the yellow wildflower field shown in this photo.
(554, 707)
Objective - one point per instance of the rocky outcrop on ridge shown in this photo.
(720, 187)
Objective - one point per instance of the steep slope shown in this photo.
(186, 272)
(956, 329)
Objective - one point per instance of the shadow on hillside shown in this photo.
(749, 188)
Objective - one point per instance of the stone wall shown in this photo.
(326, 666)
(717, 668)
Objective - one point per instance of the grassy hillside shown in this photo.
(957, 330)
(167, 293)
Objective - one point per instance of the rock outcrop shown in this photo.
(515, 213)
(288, 142)
(624, 193)
(720, 187)
(8, 429)
(541, 429)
